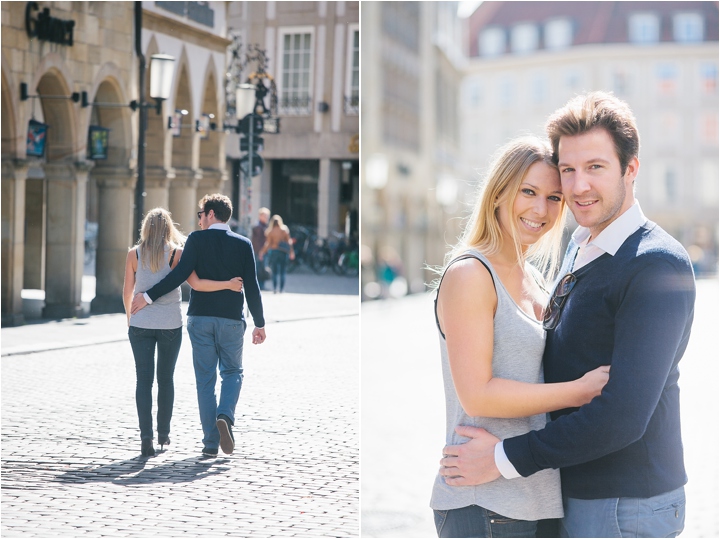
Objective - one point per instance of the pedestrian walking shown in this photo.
(279, 248)
(216, 322)
(258, 240)
(489, 317)
(160, 326)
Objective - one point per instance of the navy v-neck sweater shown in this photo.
(218, 255)
(632, 311)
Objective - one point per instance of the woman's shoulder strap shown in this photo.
(472, 253)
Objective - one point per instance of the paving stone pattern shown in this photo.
(71, 462)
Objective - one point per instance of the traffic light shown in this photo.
(244, 126)
(258, 144)
(251, 127)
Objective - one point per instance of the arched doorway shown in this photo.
(183, 187)
(212, 142)
(64, 200)
(110, 193)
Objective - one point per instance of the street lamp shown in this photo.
(244, 106)
(162, 67)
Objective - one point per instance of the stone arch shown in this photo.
(183, 188)
(211, 153)
(156, 136)
(53, 74)
(65, 179)
(182, 148)
(114, 196)
(59, 115)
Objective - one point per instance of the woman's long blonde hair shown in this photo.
(158, 232)
(276, 221)
(502, 183)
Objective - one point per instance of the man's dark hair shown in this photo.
(218, 203)
(596, 110)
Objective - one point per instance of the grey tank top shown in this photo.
(519, 341)
(164, 312)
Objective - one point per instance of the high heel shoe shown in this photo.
(163, 440)
(147, 449)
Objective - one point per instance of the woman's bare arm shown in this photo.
(206, 285)
(466, 307)
(129, 282)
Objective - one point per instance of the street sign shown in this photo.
(258, 163)
(244, 126)
(258, 144)
(271, 126)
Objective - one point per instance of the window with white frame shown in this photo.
(492, 42)
(506, 91)
(524, 38)
(538, 88)
(558, 34)
(474, 92)
(352, 84)
(709, 78)
(644, 28)
(688, 27)
(295, 88)
(667, 79)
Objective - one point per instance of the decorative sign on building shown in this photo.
(36, 138)
(98, 142)
(47, 28)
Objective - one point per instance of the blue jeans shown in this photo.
(278, 266)
(659, 516)
(216, 342)
(143, 343)
(476, 521)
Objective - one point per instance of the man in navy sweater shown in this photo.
(216, 323)
(625, 299)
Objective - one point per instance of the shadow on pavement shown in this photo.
(139, 471)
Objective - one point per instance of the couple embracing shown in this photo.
(600, 356)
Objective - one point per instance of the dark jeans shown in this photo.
(278, 266)
(476, 521)
(143, 343)
(260, 272)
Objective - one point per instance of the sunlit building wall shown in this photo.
(529, 58)
(411, 160)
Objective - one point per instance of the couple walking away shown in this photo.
(219, 266)
(601, 355)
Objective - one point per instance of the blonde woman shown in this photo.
(279, 247)
(489, 312)
(160, 324)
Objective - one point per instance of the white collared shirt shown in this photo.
(219, 226)
(608, 241)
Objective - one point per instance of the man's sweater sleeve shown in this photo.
(180, 274)
(251, 287)
(650, 327)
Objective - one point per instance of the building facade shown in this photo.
(528, 58)
(69, 73)
(311, 169)
(411, 153)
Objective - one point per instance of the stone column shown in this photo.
(65, 247)
(157, 187)
(328, 197)
(116, 193)
(211, 182)
(183, 201)
(35, 229)
(13, 240)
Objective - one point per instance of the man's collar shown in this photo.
(219, 226)
(610, 239)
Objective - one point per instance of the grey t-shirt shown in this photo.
(519, 341)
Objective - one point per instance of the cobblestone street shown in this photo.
(403, 416)
(71, 462)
